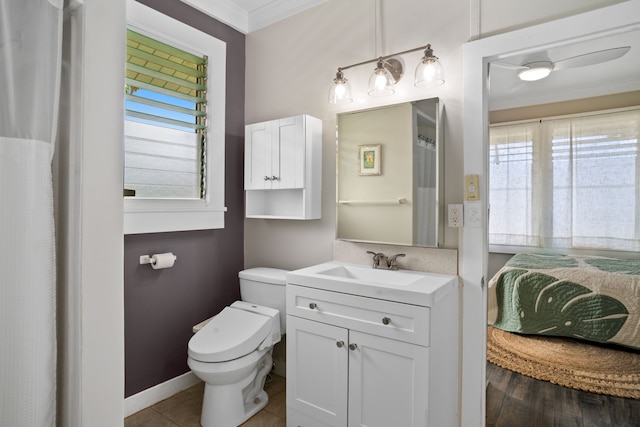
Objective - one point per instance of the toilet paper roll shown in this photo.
(165, 260)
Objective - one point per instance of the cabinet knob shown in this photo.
(274, 178)
(340, 344)
(386, 320)
(352, 346)
(266, 178)
(312, 305)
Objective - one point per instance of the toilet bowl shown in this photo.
(232, 352)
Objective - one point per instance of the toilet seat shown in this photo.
(231, 334)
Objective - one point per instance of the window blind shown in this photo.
(164, 70)
(165, 112)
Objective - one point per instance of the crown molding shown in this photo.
(277, 10)
(224, 11)
(246, 21)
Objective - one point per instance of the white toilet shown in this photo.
(232, 352)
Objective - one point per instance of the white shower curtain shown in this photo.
(426, 194)
(30, 40)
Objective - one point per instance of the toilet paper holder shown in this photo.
(153, 259)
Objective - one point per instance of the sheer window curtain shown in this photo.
(567, 183)
(30, 56)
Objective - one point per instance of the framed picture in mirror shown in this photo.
(369, 158)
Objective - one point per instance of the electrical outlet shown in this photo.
(455, 215)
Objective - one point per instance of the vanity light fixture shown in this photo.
(388, 72)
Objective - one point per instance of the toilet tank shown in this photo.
(265, 286)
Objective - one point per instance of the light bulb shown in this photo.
(380, 82)
(536, 71)
(340, 92)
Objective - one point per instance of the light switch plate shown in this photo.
(473, 214)
(471, 190)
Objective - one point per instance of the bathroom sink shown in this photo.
(406, 286)
(368, 274)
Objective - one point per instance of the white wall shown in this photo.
(102, 239)
(91, 329)
(290, 66)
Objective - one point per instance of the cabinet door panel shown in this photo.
(317, 370)
(257, 157)
(387, 382)
(288, 161)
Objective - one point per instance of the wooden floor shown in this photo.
(514, 400)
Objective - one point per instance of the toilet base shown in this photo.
(233, 404)
(220, 412)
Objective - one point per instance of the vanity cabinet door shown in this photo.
(388, 382)
(317, 373)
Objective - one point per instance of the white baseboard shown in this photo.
(157, 393)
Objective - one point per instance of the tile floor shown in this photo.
(183, 409)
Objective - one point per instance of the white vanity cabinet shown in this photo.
(282, 173)
(361, 361)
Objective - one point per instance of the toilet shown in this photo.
(232, 352)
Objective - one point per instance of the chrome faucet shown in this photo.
(380, 260)
(376, 258)
(392, 262)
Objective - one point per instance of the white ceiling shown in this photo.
(251, 15)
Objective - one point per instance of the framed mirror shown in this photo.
(389, 174)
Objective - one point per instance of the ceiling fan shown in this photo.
(539, 66)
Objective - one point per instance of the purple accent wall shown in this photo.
(161, 306)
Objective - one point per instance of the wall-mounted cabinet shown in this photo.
(283, 168)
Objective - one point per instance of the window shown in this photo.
(567, 183)
(165, 113)
(174, 125)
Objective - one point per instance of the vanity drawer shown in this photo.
(403, 322)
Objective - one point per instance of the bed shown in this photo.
(586, 297)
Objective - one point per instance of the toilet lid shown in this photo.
(231, 334)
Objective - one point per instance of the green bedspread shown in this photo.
(586, 297)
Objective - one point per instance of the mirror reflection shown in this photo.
(389, 167)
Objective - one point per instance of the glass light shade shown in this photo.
(429, 72)
(340, 92)
(536, 71)
(381, 82)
